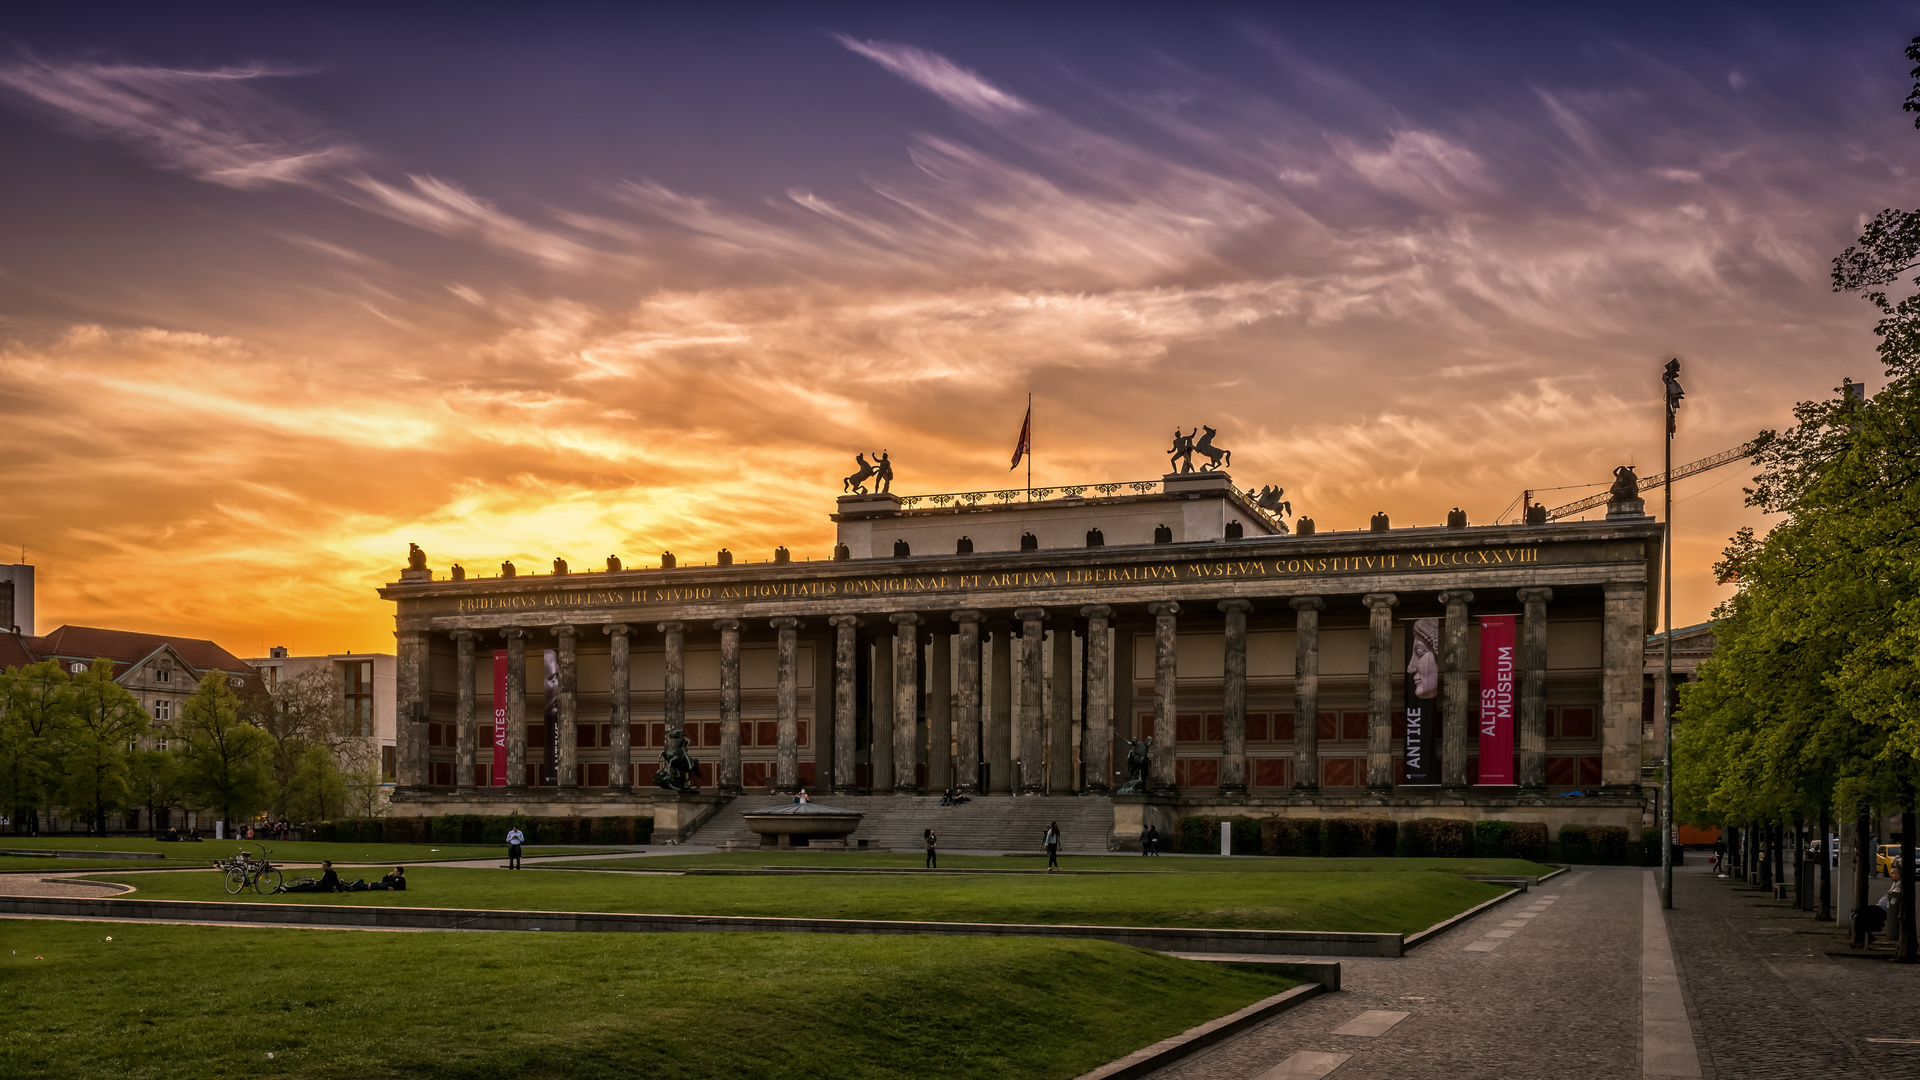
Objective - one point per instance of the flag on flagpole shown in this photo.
(1025, 445)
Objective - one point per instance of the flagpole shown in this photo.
(1029, 446)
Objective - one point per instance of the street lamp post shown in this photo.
(1671, 377)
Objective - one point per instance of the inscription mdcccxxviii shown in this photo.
(1181, 572)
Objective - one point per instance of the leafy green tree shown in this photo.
(154, 781)
(318, 790)
(225, 762)
(36, 708)
(106, 720)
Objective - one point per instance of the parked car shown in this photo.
(1884, 857)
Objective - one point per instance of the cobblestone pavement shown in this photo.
(33, 885)
(1545, 985)
(1769, 999)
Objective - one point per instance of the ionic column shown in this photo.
(1060, 722)
(1380, 689)
(1166, 670)
(1456, 733)
(1096, 754)
(1027, 731)
(1000, 712)
(940, 710)
(676, 677)
(1623, 658)
(1533, 689)
(728, 774)
(463, 718)
(906, 701)
(410, 686)
(786, 682)
(967, 715)
(620, 713)
(846, 715)
(1306, 692)
(1233, 690)
(516, 707)
(880, 753)
(568, 774)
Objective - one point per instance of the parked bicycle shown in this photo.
(243, 871)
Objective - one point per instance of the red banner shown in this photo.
(500, 718)
(1496, 699)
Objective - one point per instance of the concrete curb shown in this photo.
(1443, 926)
(1156, 938)
(1193, 1040)
(1324, 972)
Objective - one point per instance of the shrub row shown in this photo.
(485, 829)
(1360, 837)
(1200, 834)
(1609, 845)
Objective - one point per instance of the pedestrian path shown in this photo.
(1547, 985)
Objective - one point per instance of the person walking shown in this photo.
(1153, 839)
(933, 858)
(1145, 841)
(514, 839)
(1053, 846)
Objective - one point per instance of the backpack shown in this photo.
(1870, 919)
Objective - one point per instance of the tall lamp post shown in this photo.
(1671, 377)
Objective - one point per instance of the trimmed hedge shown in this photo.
(1600, 845)
(1290, 836)
(1200, 834)
(484, 830)
(1510, 840)
(1359, 837)
(1443, 838)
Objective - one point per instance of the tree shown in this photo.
(154, 781)
(318, 790)
(225, 762)
(36, 706)
(106, 720)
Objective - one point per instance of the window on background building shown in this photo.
(164, 675)
(76, 667)
(162, 710)
(389, 762)
(359, 694)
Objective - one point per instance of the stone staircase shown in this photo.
(894, 822)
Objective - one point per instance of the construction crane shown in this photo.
(1649, 483)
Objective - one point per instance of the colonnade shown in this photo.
(1026, 746)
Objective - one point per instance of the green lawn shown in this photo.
(1127, 863)
(159, 1002)
(1326, 900)
(205, 852)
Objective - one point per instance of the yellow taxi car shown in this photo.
(1884, 857)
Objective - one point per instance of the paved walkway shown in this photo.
(1545, 985)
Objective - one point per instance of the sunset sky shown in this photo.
(281, 293)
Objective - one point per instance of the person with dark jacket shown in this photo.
(1053, 846)
(933, 857)
(396, 881)
(329, 882)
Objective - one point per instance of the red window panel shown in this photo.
(1257, 727)
(766, 733)
(1338, 772)
(1561, 772)
(1271, 772)
(1186, 727)
(596, 774)
(636, 734)
(1329, 725)
(536, 736)
(606, 734)
(746, 733)
(482, 774)
(1589, 771)
(533, 775)
(1473, 768)
(1399, 771)
(587, 732)
(806, 773)
(1400, 723)
(710, 734)
(1204, 772)
(1353, 725)
(433, 734)
(659, 735)
(1216, 728)
(753, 774)
(1146, 725)
(1180, 773)
(800, 733)
(1283, 727)
(706, 774)
(1576, 723)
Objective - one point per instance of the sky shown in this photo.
(284, 291)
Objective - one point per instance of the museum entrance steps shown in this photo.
(985, 823)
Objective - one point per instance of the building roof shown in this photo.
(14, 652)
(126, 649)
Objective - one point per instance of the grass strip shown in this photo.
(1373, 902)
(288, 851)
(159, 1002)
(1130, 863)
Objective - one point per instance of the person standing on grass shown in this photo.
(1053, 846)
(514, 839)
(933, 859)
(1153, 839)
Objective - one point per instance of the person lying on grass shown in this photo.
(329, 881)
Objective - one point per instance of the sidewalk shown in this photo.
(1776, 994)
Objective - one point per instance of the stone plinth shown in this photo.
(677, 814)
(796, 824)
(1133, 813)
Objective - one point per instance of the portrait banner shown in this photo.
(550, 768)
(500, 718)
(1423, 703)
(1496, 699)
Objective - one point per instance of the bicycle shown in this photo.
(244, 872)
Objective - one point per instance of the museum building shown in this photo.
(1018, 644)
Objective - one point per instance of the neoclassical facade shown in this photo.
(1014, 649)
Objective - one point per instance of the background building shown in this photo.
(364, 683)
(16, 598)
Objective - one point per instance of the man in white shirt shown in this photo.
(514, 839)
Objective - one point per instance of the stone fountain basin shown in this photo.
(809, 820)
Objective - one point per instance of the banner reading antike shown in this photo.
(1423, 702)
(550, 771)
(1496, 699)
(500, 718)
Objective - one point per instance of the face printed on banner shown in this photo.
(1423, 660)
(550, 771)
